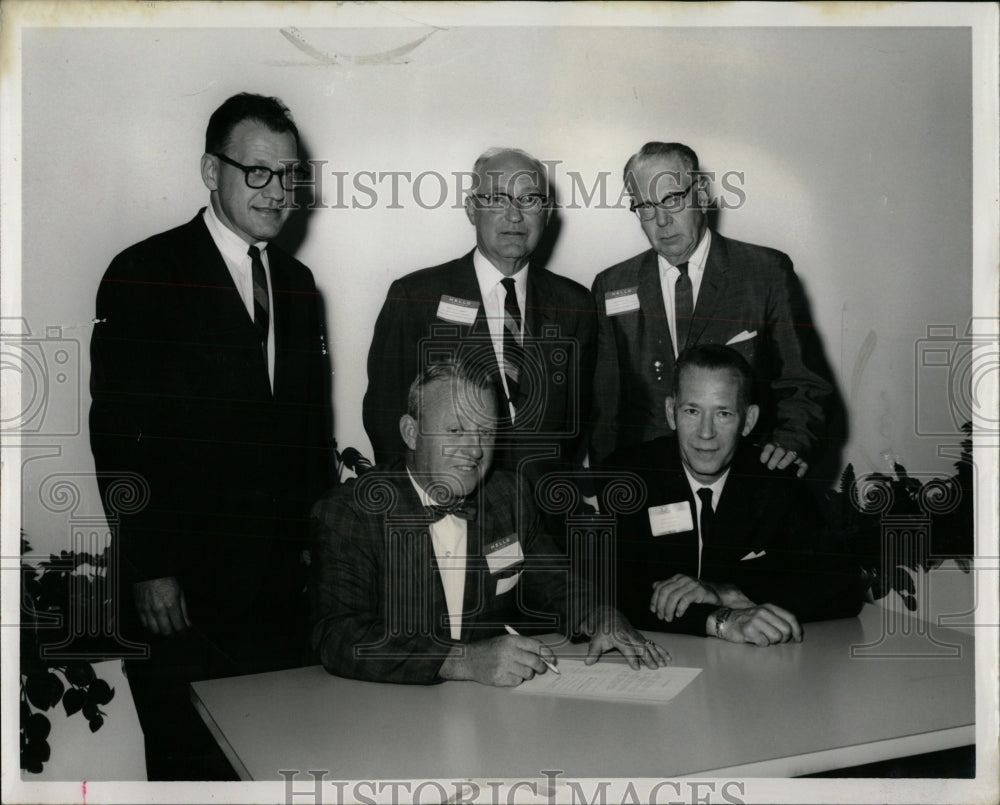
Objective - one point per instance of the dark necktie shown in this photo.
(683, 306)
(705, 521)
(513, 352)
(261, 302)
(464, 509)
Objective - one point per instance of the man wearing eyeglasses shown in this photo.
(695, 286)
(209, 386)
(531, 330)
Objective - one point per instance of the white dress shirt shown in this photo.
(668, 279)
(234, 253)
(494, 297)
(449, 537)
(716, 488)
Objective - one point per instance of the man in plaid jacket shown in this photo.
(420, 566)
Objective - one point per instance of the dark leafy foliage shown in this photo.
(862, 508)
(352, 459)
(48, 596)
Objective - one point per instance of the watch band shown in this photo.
(721, 616)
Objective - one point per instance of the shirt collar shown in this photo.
(696, 262)
(232, 246)
(489, 276)
(425, 499)
(716, 486)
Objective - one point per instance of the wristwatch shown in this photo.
(721, 616)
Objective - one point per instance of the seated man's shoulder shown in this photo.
(507, 495)
(374, 494)
(504, 484)
(656, 454)
(781, 489)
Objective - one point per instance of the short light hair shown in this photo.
(451, 371)
(716, 357)
(496, 151)
(657, 149)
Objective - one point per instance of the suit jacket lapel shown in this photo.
(417, 554)
(476, 575)
(713, 283)
(220, 310)
(213, 273)
(677, 488)
(280, 313)
(465, 285)
(539, 299)
(652, 311)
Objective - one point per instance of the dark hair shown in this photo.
(270, 112)
(450, 370)
(658, 149)
(716, 356)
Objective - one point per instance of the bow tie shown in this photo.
(464, 509)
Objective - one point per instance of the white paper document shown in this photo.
(605, 680)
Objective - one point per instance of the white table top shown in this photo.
(779, 711)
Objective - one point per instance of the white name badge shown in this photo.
(503, 553)
(624, 300)
(457, 311)
(671, 518)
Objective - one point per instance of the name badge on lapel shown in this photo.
(503, 553)
(457, 311)
(670, 518)
(624, 300)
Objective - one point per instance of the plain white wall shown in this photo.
(855, 145)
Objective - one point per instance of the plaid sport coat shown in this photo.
(379, 608)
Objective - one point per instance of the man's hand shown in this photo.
(161, 606)
(504, 661)
(763, 626)
(672, 597)
(610, 629)
(777, 457)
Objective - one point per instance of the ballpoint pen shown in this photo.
(511, 630)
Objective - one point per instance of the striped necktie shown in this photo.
(513, 351)
(261, 301)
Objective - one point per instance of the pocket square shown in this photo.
(753, 555)
(744, 336)
(507, 583)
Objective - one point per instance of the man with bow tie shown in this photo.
(694, 286)
(421, 565)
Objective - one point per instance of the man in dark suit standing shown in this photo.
(695, 286)
(530, 329)
(420, 565)
(722, 546)
(209, 381)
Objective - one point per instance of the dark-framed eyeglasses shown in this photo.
(258, 176)
(531, 203)
(671, 203)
